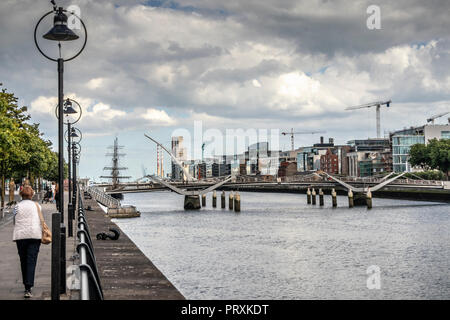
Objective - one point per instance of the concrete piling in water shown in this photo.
(350, 199)
(230, 201)
(237, 202)
(369, 199)
(308, 196)
(222, 200)
(191, 202)
(214, 199)
(203, 200)
(313, 196)
(320, 197)
(334, 198)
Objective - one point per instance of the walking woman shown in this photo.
(27, 235)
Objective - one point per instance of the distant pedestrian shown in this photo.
(27, 235)
(57, 196)
(12, 187)
(53, 191)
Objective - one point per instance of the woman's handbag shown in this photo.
(46, 233)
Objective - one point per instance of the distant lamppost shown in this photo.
(76, 150)
(59, 32)
(71, 116)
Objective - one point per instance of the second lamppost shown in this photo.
(72, 114)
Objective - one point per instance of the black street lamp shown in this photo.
(59, 32)
(76, 150)
(71, 116)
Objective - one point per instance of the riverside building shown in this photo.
(402, 140)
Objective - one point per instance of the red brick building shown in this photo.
(329, 162)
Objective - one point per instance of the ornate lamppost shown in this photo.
(60, 32)
(72, 114)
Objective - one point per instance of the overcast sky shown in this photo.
(156, 66)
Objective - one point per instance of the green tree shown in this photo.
(23, 151)
(440, 155)
(12, 118)
(435, 155)
(420, 156)
(51, 173)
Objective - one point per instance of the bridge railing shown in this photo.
(405, 181)
(398, 181)
(103, 198)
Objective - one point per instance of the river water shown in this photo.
(278, 247)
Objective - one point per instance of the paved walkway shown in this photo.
(11, 287)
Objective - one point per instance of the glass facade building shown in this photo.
(401, 145)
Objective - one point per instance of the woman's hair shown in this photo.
(27, 193)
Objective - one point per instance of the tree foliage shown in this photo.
(435, 155)
(23, 151)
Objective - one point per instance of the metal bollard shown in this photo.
(230, 201)
(56, 256)
(222, 200)
(350, 198)
(237, 202)
(320, 197)
(334, 198)
(214, 199)
(70, 214)
(308, 196)
(369, 199)
(313, 196)
(62, 287)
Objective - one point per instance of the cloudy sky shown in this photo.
(156, 66)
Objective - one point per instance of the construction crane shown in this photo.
(203, 149)
(377, 104)
(431, 119)
(300, 132)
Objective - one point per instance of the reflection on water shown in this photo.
(278, 247)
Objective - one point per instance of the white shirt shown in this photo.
(27, 224)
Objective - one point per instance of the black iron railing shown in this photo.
(90, 286)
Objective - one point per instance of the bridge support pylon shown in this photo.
(192, 202)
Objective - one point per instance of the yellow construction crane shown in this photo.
(300, 132)
(377, 104)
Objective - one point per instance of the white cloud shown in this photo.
(158, 117)
(256, 83)
(44, 105)
(95, 83)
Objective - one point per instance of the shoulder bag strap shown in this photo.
(40, 214)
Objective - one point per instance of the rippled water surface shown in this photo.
(278, 247)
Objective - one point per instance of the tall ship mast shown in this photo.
(115, 168)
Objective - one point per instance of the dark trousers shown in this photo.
(28, 252)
